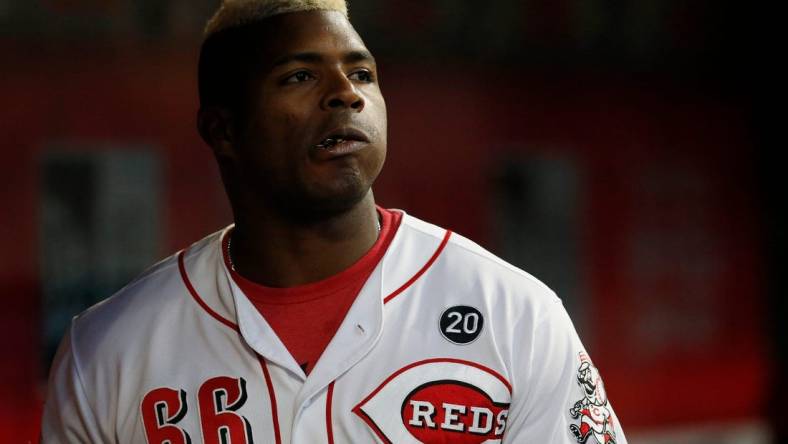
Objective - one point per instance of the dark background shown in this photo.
(615, 149)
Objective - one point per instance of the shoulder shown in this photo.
(463, 265)
(153, 298)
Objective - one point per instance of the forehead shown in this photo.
(325, 32)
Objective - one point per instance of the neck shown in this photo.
(273, 251)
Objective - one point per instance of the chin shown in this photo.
(339, 200)
(324, 201)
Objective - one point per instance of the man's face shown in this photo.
(318, 82)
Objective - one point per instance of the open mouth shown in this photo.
(329, 142)
(341, 136)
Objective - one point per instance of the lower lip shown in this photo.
(339, 150)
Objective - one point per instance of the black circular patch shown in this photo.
(461, 324)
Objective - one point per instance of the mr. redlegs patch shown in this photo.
(439, 401)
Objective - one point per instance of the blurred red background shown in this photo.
(672, 239)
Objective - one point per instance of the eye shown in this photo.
(362, 76)
(300, 76)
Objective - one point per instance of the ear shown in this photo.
(217, 130)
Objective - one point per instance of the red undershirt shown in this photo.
(306, 317)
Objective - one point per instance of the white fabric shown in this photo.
(153, 334)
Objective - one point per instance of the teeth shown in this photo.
(329, 142)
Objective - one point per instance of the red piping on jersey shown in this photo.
(329, 425)
(423, 269)
(357, 409)
(372, 425)
(197, 297)
(388, 298)
(361, 414)
(232, 325)
(272, 397)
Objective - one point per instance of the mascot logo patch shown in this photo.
(439, 401)
(593, 411)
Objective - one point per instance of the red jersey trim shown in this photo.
(372, 426)
(423, 269)
(329, 420)
(387, 299)
(232, 325)
(197, 297)
(360, 413)
(272, 397)
(356, 409)
(365, 265)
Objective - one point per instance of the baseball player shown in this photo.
(318, 316)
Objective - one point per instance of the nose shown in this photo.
(342, 94)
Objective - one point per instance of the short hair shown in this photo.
(227, 53)
(235, 13)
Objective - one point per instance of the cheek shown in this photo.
(380, 108)
(277, 113)
(290, 118)
(383, 128)
(275, 134)
(278, 119)
(373, 163)
(375, 119)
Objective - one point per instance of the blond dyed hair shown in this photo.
(236, 13)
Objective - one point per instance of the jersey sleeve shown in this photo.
(562, 399)
(68, 417)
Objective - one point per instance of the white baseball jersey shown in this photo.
(444, 343)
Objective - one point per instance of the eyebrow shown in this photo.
(314, 57)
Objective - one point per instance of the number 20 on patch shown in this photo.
(461, 324)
